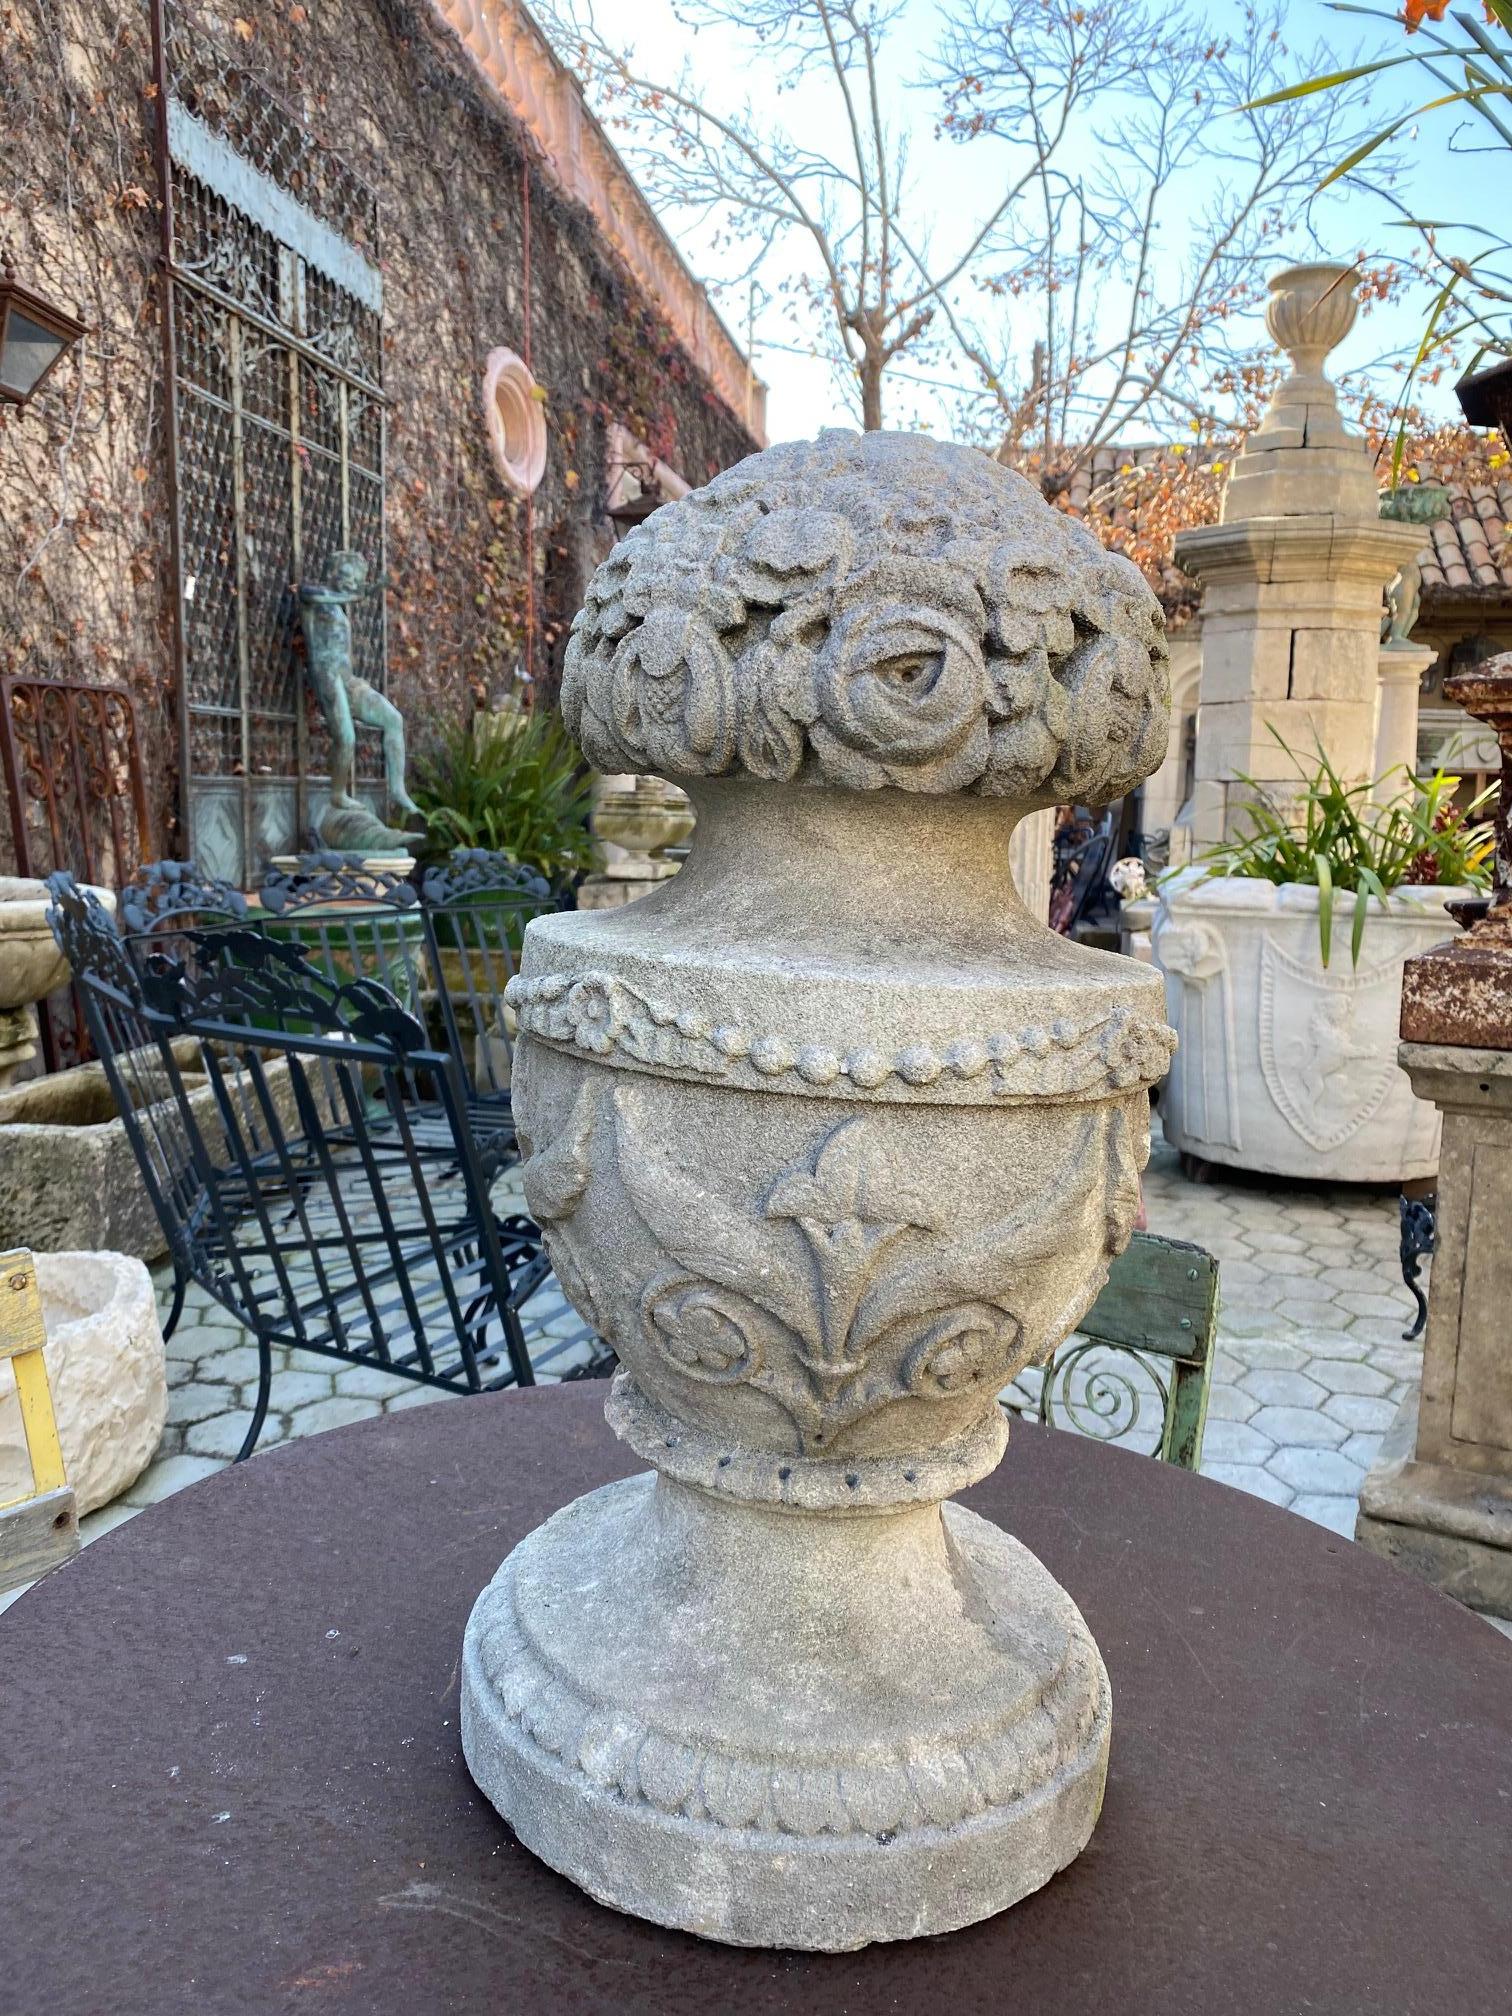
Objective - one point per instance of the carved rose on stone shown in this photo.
(853, 615)
(902, 686)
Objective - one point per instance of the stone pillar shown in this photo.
(1292, 576)
(1031, 854)
(1439, 1497)
(1400, 668)
(829, 1137)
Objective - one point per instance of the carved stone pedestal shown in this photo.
(1439, 1497)
(830, 1138)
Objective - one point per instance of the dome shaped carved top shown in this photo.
(871, 610)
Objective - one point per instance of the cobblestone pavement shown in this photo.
(1311, 1361)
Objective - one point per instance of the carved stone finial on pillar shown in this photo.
(829, 1138)
(1292, 578)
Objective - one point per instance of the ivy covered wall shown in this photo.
(85, 578)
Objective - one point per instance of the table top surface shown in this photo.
(230, 1773)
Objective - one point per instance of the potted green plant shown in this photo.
(1287, 1056)
(514, 784)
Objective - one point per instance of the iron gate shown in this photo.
(273, 346)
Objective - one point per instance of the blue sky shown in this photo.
(803, 393)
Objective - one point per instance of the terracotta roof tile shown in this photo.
(1470, 552)
(1467, 553)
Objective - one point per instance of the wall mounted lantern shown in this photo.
(34, 336)
(633, 511)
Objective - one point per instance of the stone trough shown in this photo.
(105, 1368)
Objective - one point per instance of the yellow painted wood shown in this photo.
(20, 1305)
(22, 1336)
(37, 1418)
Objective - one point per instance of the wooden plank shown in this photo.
(20, 1305)
(39, 1421)
(1161, 1296)
(36, 1535)
(1186, 1415)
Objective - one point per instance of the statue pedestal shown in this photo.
(1438, 1499)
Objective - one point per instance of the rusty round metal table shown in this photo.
(230, 1776)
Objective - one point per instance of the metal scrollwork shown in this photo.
(87, 935)
(1419, 1235)
(165, 891)
(1105, 1401)
(324, 878)
(247, 978)
(473, 870)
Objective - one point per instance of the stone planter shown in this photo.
(68, 1176)
(1283, 1066)
(105, 1366)
(829, 1137)
(31, 966)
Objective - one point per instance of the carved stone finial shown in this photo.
(870, 610)
(830, 1138)
(1310, 311)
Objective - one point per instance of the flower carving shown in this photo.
(902, 685)
(597, 1010)
(707, 1332)
(672, 691)
(871, 611)
(840, 1297)
(967, 1346)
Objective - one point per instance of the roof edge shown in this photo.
(520, 67)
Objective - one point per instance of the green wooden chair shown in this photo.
(1145, 1347)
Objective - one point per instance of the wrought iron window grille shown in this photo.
(273, 352)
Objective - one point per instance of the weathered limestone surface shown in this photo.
(1440, 1497)
(105, 1365)
(69, 1177)
(31, 966)
(830, 1137)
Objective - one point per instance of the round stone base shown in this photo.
(778, 1728)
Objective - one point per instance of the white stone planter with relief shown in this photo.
(1285, 1066)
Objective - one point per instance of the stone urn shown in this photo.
(31, 966)
(1286, 1066)
(1310, 311)
(830, 1138)
(643, 821)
